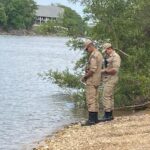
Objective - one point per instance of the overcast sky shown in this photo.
(77, 7)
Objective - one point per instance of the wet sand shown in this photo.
(123, 133)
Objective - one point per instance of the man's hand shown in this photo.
(109, 71)
(88, 74)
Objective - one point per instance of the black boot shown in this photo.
(108, 116)
(93, 119)
(96, 117)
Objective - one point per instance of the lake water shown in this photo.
(31, 108)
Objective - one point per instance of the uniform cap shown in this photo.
(105, 46)
(86, 43)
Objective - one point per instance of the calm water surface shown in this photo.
(31, 108)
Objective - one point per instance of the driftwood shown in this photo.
(135, 107)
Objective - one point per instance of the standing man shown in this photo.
(92, 79)
(110, 78)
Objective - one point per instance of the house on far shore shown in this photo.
(45, 13)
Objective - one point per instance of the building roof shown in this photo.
(49, 11)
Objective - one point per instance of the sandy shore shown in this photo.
(123, 133)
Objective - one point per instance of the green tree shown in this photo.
(73, 21)
(20, 14)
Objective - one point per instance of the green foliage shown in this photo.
(73, 21)
(132, 89)
(20, 13)
(78, 44)
(64, 79)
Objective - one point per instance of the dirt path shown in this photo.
(123, 133)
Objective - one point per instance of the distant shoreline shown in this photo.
(24, 32)
(17, 32)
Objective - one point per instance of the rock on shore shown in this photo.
(123, 133)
